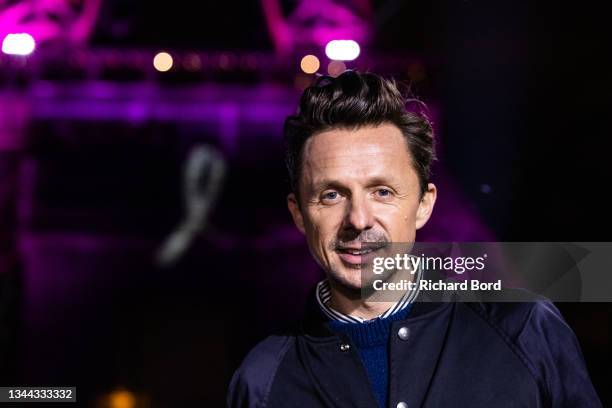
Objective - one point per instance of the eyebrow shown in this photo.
(334, 183)
(326, 183)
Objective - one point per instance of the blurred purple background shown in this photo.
(144, 241)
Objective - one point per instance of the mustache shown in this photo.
(366, 239)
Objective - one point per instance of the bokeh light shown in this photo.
(192, 62)
(335, 68)
(162, 61)
(342, 50)
(18, 44)
(121, 399)
(310, 64)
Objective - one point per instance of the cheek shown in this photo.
(321, 226)
(400, 223)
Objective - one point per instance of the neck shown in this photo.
(357, 307)
(350, 302)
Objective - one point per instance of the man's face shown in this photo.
(357, 186)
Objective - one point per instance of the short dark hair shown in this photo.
(353, 100)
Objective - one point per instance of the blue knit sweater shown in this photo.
(372, 341)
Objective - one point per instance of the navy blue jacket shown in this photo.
(455, 355)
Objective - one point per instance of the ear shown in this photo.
(426, 205)
(296, 212)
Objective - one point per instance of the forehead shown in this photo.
(370, 151)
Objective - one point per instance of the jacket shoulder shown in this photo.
(251, 383)
(537, 333)
(554, 352)
(510, 316)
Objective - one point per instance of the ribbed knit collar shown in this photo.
(372, 332)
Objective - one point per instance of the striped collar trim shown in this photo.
(323, 296)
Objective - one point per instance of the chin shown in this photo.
(347, 278)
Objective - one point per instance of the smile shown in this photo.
(356, 251)
(357, 257)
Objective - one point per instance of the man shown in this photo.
(359, 165)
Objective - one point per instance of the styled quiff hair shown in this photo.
(350, 101)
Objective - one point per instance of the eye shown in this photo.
(384, 193)
(330, 197)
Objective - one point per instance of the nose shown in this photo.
(359, 216)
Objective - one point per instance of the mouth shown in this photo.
(356, 257)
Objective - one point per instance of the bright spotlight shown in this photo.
(18, 44)
(342, 50)
(162, 61)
